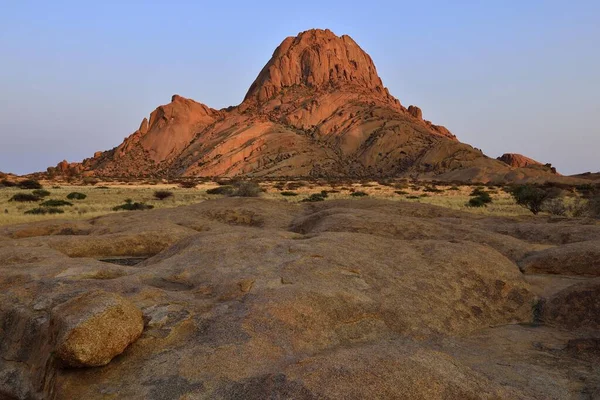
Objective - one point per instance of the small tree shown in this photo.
(530, 197)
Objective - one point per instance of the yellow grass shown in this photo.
(103, 197)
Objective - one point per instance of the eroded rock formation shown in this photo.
(318, 108)
(333, 300)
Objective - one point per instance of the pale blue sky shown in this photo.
(505, 76)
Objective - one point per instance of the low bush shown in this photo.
(222, 190)
(358, 194)
(162, 194)
(479, 198)
(76, 196)
(44, 211)
(131, 206)
(55, 203)
(454, 188)
(188, 184)
(555, 206)
(288, 193)
(401, 192)
(247, 189)
(412, 197)
(432, 190)
(24, 197)
(7, 183)
(476, 202)
(314, 197)
(29, 184)
(41, 193)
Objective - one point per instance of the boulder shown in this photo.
(95, 327)
(582, 258)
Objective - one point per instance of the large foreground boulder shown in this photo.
(96, 327)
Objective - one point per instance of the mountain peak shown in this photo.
(316, 58)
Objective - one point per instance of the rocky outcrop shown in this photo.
(95, 327)
(317, 109)
(332, 300)
(316, 59)
(518, 160)
(415, 112)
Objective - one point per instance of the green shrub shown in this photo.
(358, 194)
(76, 196)
(131, 206)
(41, 193)
(476, 202)
(314, 197)
(24, 197)
(288, 193)
(44, 211)
(162, 194)
(55, 203)
(29, 184)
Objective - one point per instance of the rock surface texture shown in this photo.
(262, 299)
(318, 108)
(95, 327)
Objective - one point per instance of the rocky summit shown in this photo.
(241, 298)
(317, 109)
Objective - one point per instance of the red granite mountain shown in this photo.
(318, 108)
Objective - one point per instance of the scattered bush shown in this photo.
(44, 211)
(24, 197)
(131, 206)
(223, 190)
(247, 189)
(476, 202)
(401, 192)
(55, 203)
(7, 183)
(188, 184)
(162, 194)
(314, 197)
(358, 194)
(76, 196)
(555, 206)
(29, 184)
(424, 195)
(288, 193)
(454, 188)
(412, 197)
(41, 193)
(432, 190)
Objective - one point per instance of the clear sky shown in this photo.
(504, 76)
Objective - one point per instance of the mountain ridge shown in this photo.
(318, 108)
